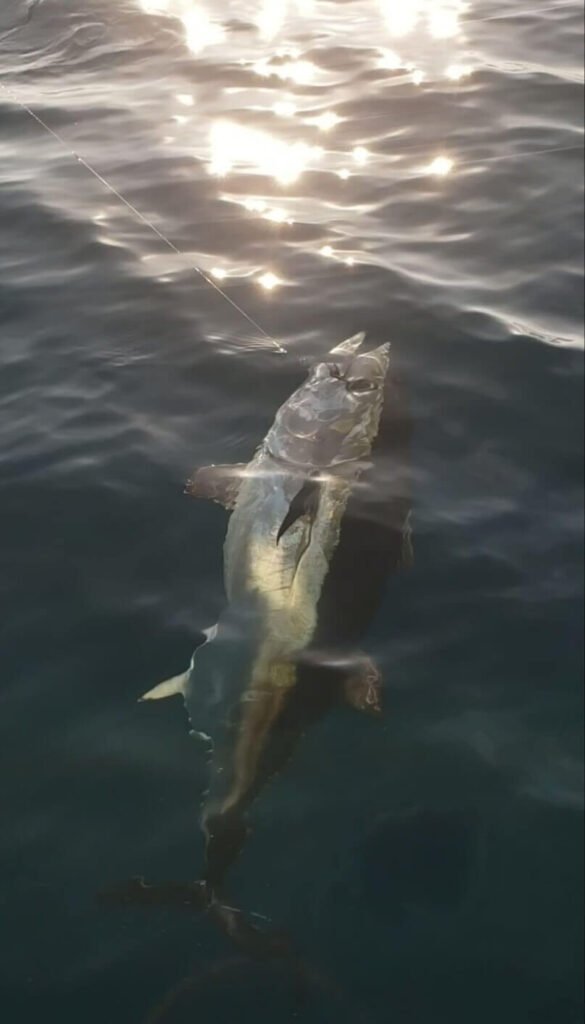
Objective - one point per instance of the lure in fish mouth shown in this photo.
(287, 507)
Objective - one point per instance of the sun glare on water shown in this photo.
(326, 121)
(360, 156)
(273, 14)
(401, 16)
(233, 146)
(441, 166)
(269, 281)
(415, 42)
(298, 72)
(201, 30)
(455, 72)
(440, 18)
(284, 108)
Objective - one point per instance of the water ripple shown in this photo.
(411, 169)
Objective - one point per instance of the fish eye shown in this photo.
(361, 386)
(335, 371)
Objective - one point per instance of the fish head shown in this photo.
(334, 416)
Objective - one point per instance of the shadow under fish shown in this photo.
(319, 520)
(419, 862)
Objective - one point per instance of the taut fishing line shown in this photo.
(139, 215)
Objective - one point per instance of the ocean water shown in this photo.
(410, 169)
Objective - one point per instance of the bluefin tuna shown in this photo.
(287, 508)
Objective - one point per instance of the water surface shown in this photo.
(414, 170)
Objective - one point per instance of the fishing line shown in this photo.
(140, 216)
(519, 156)
(506, 16)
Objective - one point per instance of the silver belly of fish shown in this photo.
(285, 575)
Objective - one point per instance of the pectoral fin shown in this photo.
(217, 483)
(363, 688)
(305, 503)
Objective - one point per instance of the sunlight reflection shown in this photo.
(441, 166)
(278, 216)
(441, 18)
(275, 214)
(269, 281)
(401, 16)
(423, 43)
(361, 155)
(326, 121)
(155, 6)
(389, 60)
(444, 22)
(301, 72)
(288, 51)
(329, 253)
(273, 14)
(233, 145)
(271, 17)
(255, 205)
(458, 71)
(284, 108)
(200, 29)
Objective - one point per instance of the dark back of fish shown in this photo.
(371, 544)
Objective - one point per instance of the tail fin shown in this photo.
(197, 897)
(225, 833)
(136, 893)
(260, 944)
(257, 943)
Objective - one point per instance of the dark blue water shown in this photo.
(426, 866)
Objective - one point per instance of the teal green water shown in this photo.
(426, 865)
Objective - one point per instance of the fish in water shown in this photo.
(288, 507)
